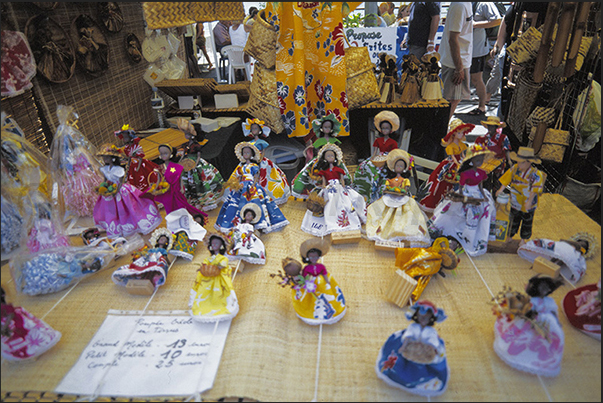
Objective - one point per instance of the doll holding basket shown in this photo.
(139, 168)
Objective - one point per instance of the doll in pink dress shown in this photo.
(139, 168)
(45, 232)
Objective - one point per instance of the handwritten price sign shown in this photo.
(148, 356)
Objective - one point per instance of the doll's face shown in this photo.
(162, 242)
(492, 129)
(459, 135)
(313, 257)
(386, 128)
(215, 244)
(330, 156)
(292, 269)
(164, 153)
(249, 216)
(198, 219)
(478, 161)
(256, 129)
(523, 165)
(107, 160)
(247, 153)
(400, 166)
(327, 127)
(424, 318)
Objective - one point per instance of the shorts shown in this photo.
(201, 42)
(478, 64)
(455, 92)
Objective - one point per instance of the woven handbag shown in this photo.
(555, 142)
(361, 84)
(525, 48)
(263, 101)
(261, 43)
(540, 114)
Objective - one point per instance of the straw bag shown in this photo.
(525, 48)
(263, 101)
(361, 85)
(540, 114)
(261, 43)
(555, 142)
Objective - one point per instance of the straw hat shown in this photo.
(317, 123)
(395, 155)
(110, 150)
(253, 207)
(524, 154)
(225, 238)
(428, 56)
(331, 147)
(387, 116)
(423, 307)
(493, 121)
(322, 244)
(474, 151)
(158, 233)
(239, 151)
(249, 122)
(456, 125)
(590, 239)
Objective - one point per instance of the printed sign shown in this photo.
(377, 40)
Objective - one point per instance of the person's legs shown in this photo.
(477, 72)
(514, 222)
(526, 226)
(495, 79)
(454, 93)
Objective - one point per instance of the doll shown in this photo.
(344, 209)
(13, 227)
(570, 254)
(45, 231)
(444, 177)
(525, 183)
(203, 183)
(305, 181)
(431, 84)
(247, 245)
(527, 332)
(582, 306)
(212, 297)
(414, 359)
(23, 335)
(121, 246)
(244, 189)
(120, 209)
(272, 178)
(369, 179)
(497, 142)
(468, 216)
(409, 83)
(172, 198)
(140, 170)
(187, 232)
(396, 216)
(148, 264)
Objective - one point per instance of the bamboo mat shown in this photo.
(270, 355)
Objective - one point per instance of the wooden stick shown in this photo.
(577, 34)
(545, 44)
(563, 32)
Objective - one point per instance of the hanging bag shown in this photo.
(361, 84)
(555, 142)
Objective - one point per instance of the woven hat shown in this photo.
(590, 239)
(225, 238)
(322, 244)
(158, 233)
(331, 147)
(110, 150)
(456, 125)
(425, 306)
(474, 151)
(182, 220)
(449, 259)
(395, 155)
(426, 58)
(253, 207)
(493, 121)
(524, 154)
(239, 151)
(317, 124)
(387, 116)
(249, 122)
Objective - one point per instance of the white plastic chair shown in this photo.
(236, 61)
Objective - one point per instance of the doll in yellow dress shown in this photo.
(396, 216)
(212, 297)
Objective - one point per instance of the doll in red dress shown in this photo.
(138, 168)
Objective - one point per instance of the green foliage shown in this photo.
(353, 21)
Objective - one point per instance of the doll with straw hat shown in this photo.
(247, 245)
(496, 141)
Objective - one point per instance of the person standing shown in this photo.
(456, 51)
(423, 23)
(200, 42)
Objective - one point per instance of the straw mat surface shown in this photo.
(270, 355)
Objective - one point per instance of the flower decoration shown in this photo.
(107, 188)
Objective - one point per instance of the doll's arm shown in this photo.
(529, 201)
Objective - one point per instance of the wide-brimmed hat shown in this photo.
(253, 207)
(255, 121)
(493, 121)
(317, 123)
(321, 244)
(182, 220)
(239, 151)
(456, 125)
(426, 58)
(110, 150)
(387, 116)
(524, 154)
(423, 307)
(330, 147)
(474, 151)
(225, 238)
(590, 240)
(158, 233)
(397, 154)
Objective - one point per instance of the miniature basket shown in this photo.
(418, 352)
(263, 102)
(261, 43)
(361, 84)
(160, 186)
(188, 164)
(316, 204)
(107, 189)
(208, 270)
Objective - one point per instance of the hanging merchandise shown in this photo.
(133, 47)
(91, 45)
(18, 64)
(155, 46)
(111, 16)
(590, 125)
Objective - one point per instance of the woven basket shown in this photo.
(261, 43)
(242, 89)
(361, 84)
(522, 101)
(263, 101)
(525, 48)
(177, 14)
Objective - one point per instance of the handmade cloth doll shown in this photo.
(414, 359)
(187, 231)
(74, 169)
(569, 254)
(247, 245)
(431, 85)
(444, 177)
(245, 189)
(306, 180)
(13, 227)
(18, 64)
(23, 335)
(121, 246)
(396, 216)
(140, 170)
(497, 142)
(527, 332)
(45, 229)
(409, 83)
(171, 197)
(272, 178)
(344, 209)
(212, 297)
(203, 183)
(582, 307)
(148, 264)
(525, 183)
(120, 209)
(469, 215)
(369, 179)
(423, 263)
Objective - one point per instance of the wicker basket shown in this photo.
(525, 49)
(242, 89)
(263, 102)
(522, 102)
(261, 43)
(361, 84)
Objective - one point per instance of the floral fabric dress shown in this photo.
(369, 178)
(126, 212)
(345, 209)
(272, 178)
(519, 345)
(272, 218)
(203, 185)
(422, 379)
(213, 298)
(139, 177)
(247, 246)
(470, 224)
(152, 265)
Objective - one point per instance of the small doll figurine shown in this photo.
(45, 231)
(120, 209)
(582, 306)
(497, 142)
(187, 231)
(247, 245)
(203, 183)
(444, 177)
(414, 359)
(23, 335)
(245, 189)
(272, 178)
(527, 332)
(212, 297)
(525, 183)
(468, 216)
(139, 169)
(344, 209)
(396, 216)
(121, 246)
(432, 85)
(13, 227)
(409, 83)
(570, 254)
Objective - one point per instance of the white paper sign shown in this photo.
(376, 39)
(156, 356)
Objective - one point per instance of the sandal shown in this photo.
(476, 112)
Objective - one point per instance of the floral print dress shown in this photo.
(203, 185)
